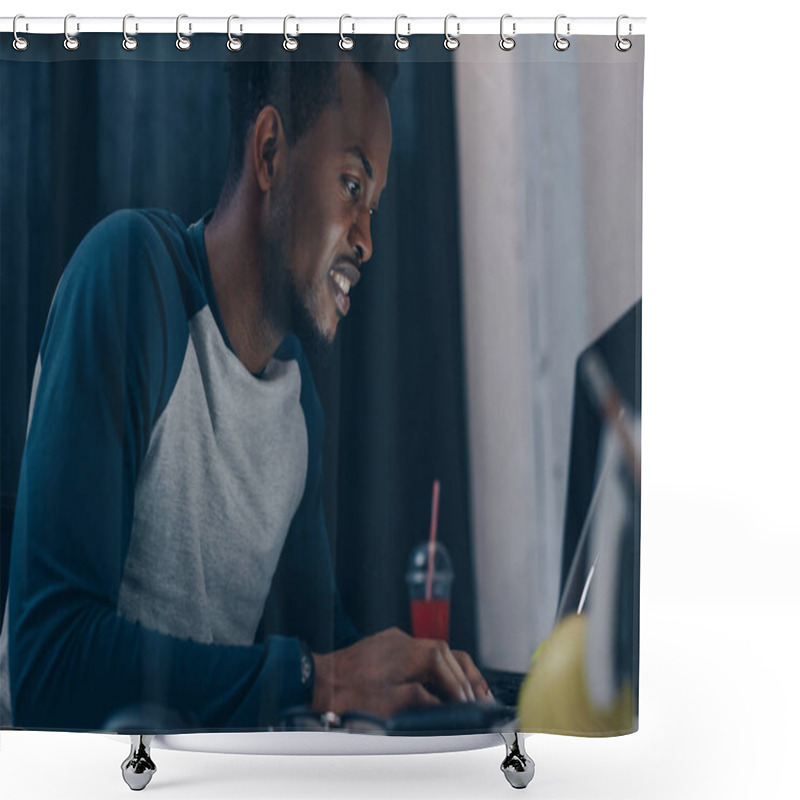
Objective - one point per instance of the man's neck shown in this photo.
(231, 242)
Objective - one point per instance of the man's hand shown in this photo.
(384, 673)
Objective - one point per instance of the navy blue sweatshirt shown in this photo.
(169, 547)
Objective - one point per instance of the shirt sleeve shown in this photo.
(104, 374)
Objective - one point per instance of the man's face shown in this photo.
(337, 172)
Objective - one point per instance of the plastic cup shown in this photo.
(430, 616)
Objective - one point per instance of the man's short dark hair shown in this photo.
(299, 87)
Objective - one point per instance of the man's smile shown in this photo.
(343, 276)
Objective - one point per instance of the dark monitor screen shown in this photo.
(619, 350)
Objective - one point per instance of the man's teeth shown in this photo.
(342, 282)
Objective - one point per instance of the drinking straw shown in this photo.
(432, 539)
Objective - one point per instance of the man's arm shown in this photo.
(106, 367)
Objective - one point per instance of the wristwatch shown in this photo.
(306, 669)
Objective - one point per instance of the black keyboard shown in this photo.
(451, 718)
(505, 686)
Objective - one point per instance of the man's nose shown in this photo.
(361, 237)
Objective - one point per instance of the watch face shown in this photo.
(305, 668)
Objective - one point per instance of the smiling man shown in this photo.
(170, 563)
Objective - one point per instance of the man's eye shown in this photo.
(353, 187)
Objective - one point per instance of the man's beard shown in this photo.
(316, 345)
(279, 283)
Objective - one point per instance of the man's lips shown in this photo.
(343, 276)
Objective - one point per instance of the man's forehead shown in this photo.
(359, 126)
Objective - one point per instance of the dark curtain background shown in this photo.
(85, 133)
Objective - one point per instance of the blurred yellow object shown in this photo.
(555, 695)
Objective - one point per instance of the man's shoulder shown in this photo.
(133, 274)
(124, 221)
(136, 247)
(133, 233)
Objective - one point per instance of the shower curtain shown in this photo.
(321, 384)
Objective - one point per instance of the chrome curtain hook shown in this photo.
(182, 43)
(561, 43)
(289, 43)
(623, 45)
(451, 42)
(234, 44)
(20, 43)
(128, 42)
(400, 42)
(507, 42)
(345, 42)
(70, 42)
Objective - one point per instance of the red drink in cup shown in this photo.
(430, 619)
(429, 591)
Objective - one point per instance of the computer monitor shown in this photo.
(619, 351)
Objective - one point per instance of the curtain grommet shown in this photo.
(507, 42)
(71, 43)
(401, 42)
(622, 44)
(451, 42)
(290, 44)
(345, 42)
(182, 42)
(561, 43)
(20, 43)
(128, 42)
(233, 44)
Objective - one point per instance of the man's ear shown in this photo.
(269, 146)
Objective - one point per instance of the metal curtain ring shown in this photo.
(623, 45)
(20, 43)
(289, 43)
(70, 42)
(345, 42)
(234, 44)
(560, 44)
(182, 43)
(507, 42)
(400, 42)
(128, 42)
(451, 42)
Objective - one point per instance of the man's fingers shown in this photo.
(411, 695)
(445, 674)
(461, 676)
(477, 681)
(390, 671)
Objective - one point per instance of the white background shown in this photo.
(720, 532)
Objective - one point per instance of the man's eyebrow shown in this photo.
(359, 153)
